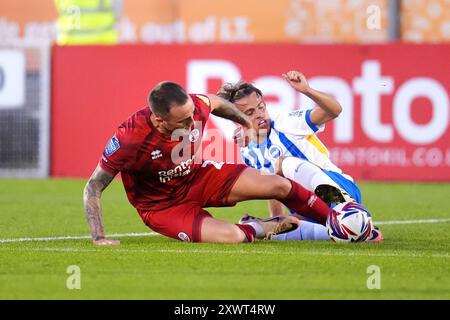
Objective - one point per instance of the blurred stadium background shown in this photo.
(387, 62)
(72, 70)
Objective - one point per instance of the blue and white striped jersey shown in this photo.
(291, 134)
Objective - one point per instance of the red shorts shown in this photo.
(209, 188)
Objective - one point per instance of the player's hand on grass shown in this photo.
(297, 81)
(106, 242)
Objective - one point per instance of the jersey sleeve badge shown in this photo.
(112, 146)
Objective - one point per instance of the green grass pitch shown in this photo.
(414, 259)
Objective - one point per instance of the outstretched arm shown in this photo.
(98, 182)
(328, 107)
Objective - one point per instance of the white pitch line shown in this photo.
(412, 221)
(258, 252)
(146, 234)
(117, 235)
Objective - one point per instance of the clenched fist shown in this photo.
(297, 81)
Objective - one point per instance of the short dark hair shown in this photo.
(236, 91)
(166, 95)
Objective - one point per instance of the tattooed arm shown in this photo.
(98, 182)
(225, 109)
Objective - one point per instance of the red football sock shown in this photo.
(249, 232)
(306, 203)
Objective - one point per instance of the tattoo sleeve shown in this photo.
(229, 111)
(99, 180)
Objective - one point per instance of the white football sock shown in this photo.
(306, 231)
(259, 231)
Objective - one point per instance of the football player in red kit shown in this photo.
(169, 185)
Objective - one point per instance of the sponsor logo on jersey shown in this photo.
(297, 113)
(112, 146)
(156, 154)
(183, 169)
(194, 135)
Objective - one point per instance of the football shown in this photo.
(349, 222)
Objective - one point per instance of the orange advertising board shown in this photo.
(425, 20)
(205, 21)
(289, 20)
(244, 21)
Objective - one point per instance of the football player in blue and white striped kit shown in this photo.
(287, 144)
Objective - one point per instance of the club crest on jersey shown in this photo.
(275, 151)
(156, 154)
(183, 237)
(112, 146)
(194, 135)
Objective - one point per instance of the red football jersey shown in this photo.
(153, 177)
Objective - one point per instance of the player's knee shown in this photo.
(279, 166)
(228, 233)
(291, 166)
(234, 235)
(280, 187)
